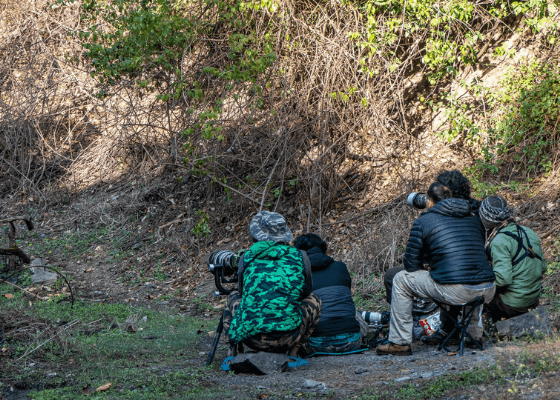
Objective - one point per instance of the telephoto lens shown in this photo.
(225, 259)
(375, 318)
(416, 200)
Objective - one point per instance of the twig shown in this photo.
(214, 179)
(273, 168)
(370, 211)
(68, 326)
(25, 291)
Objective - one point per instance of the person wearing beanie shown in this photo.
(340, 329)
(517, 259)
(449, 237)
(273, 309)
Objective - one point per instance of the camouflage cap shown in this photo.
(270, 226)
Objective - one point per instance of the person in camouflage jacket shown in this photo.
(273, 309)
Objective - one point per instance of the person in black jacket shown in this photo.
(339, 329)
(449, 237)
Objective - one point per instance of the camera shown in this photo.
(223, 264)
(375, 318)
(416, 200)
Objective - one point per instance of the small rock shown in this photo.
(259, 363)
(38, 262)
(42, 276)
(527, 324)
(145, 318)
(360, 370)
(151, 285)
(404, 378)
(97, 292)
(310, 383)
(426, 375)
(164, 302)
(42, 235)
(51, 374)
(136, 246)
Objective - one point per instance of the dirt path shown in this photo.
(345, 376)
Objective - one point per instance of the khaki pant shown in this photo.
(407, 285)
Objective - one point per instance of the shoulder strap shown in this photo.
(529, 252)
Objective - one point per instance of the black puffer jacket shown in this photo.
(449, 237)
(332, 283)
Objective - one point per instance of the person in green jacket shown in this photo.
(517, 260)
(273, 309)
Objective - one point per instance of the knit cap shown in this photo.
(494, 209)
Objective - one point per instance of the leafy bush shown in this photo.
(515, 127)
(528, 128)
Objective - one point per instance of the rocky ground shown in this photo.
(368, 375)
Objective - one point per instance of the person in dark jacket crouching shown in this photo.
(449, 237)
(339, 329)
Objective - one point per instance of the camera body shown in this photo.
(417, 200)
(223, 264)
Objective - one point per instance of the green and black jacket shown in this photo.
(273, 280)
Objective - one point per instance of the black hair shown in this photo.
(310, 240)
(456, 181)
(438, 191)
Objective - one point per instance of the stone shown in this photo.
(38, 262)
(311, 384)
(360, 370)
(427, 375)
(260, 363)
(404, 378)
(531, 323)
(41, 276)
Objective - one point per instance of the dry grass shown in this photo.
(331, 166)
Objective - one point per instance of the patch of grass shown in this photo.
(202, 305)
(157, 358)
(75, 243)
(366, 301)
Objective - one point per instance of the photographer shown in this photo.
(340, 329)
(517, 260)
(460, 188)
(450, 238)
(274, 309)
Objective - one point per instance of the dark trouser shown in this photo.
(388, 280)
(278, 342)
(498, 310)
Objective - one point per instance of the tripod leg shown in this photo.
(216, 341)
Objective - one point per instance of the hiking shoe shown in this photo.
(394, 349)
(435, 338)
